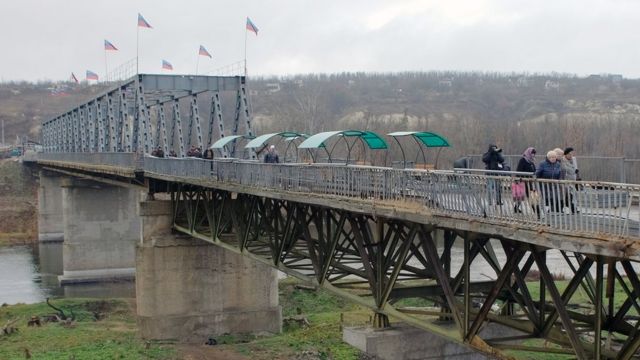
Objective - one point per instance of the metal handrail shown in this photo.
(591, 208)
(602, 208)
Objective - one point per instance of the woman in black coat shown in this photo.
(527, 164)
(527, 161)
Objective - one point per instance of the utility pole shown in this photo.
(2, 131)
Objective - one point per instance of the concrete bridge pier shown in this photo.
(50, 219)
(101, 229)
(190, 290)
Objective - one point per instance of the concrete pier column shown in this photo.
(190, 290)
(101, 230)
(50, 225)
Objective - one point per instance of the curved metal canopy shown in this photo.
(373, 140)
(260, 140)
(227, 139)
(429, 139)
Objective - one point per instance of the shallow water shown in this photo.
(29, 274)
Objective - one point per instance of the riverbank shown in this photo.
(106, 329)
(312, 330)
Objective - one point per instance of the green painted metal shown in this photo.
(429, 139)
(262, 139)
(373, 140)
(226, 140)
(377, 250)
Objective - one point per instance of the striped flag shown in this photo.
(251, 26)
(204, 52)
(91, 75)
(167, 65)
(142, 22)
(74, 78)
(109, 46)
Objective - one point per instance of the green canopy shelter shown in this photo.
(221, 144)
(369, 139)
(288, 136)
(424, 140)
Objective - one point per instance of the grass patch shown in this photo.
(113, 337)
(580, 298)
(326, 315)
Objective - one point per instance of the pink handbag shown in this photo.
(518, 191)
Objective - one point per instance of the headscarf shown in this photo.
(529, 155)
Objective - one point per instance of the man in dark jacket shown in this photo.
(494, 160)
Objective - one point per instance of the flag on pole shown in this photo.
(109, 46)
(251, 26)
(204, 52)
(142, 22)
(91, 75)
(74, 78)
(166, 65)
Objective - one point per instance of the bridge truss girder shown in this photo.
(378, 261)
(120, 120)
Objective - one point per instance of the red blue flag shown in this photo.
(166, 65)
(91, 75)
(74, 78)
(204, 52)
(109, 46)
(142, 22)
(251, 26)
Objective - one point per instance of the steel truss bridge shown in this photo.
(378, 235)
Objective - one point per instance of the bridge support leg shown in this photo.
(190, 290)
(50, 224)
(100, 232)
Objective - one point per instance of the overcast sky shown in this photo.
(49, 39)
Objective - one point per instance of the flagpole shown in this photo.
(197, 62)
(137, 47)
(245, 52)
(106, 67)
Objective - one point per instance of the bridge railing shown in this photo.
(129, 161)
(506, 197)
(592, 168)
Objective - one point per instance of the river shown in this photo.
(29, 274)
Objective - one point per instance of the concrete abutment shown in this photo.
(190, 290)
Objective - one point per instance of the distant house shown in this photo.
(273, 87)
(299, 82)
(446, 82)
(616, 78)
(552, 85)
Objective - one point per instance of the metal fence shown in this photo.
(129, 161)
(506, 197)
(592, 168)
(510, 198)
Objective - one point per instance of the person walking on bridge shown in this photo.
(527, 164)
(272, 156)
(550, 169)
(494, 160)
(570, 171)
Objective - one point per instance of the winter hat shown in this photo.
(568, 150)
